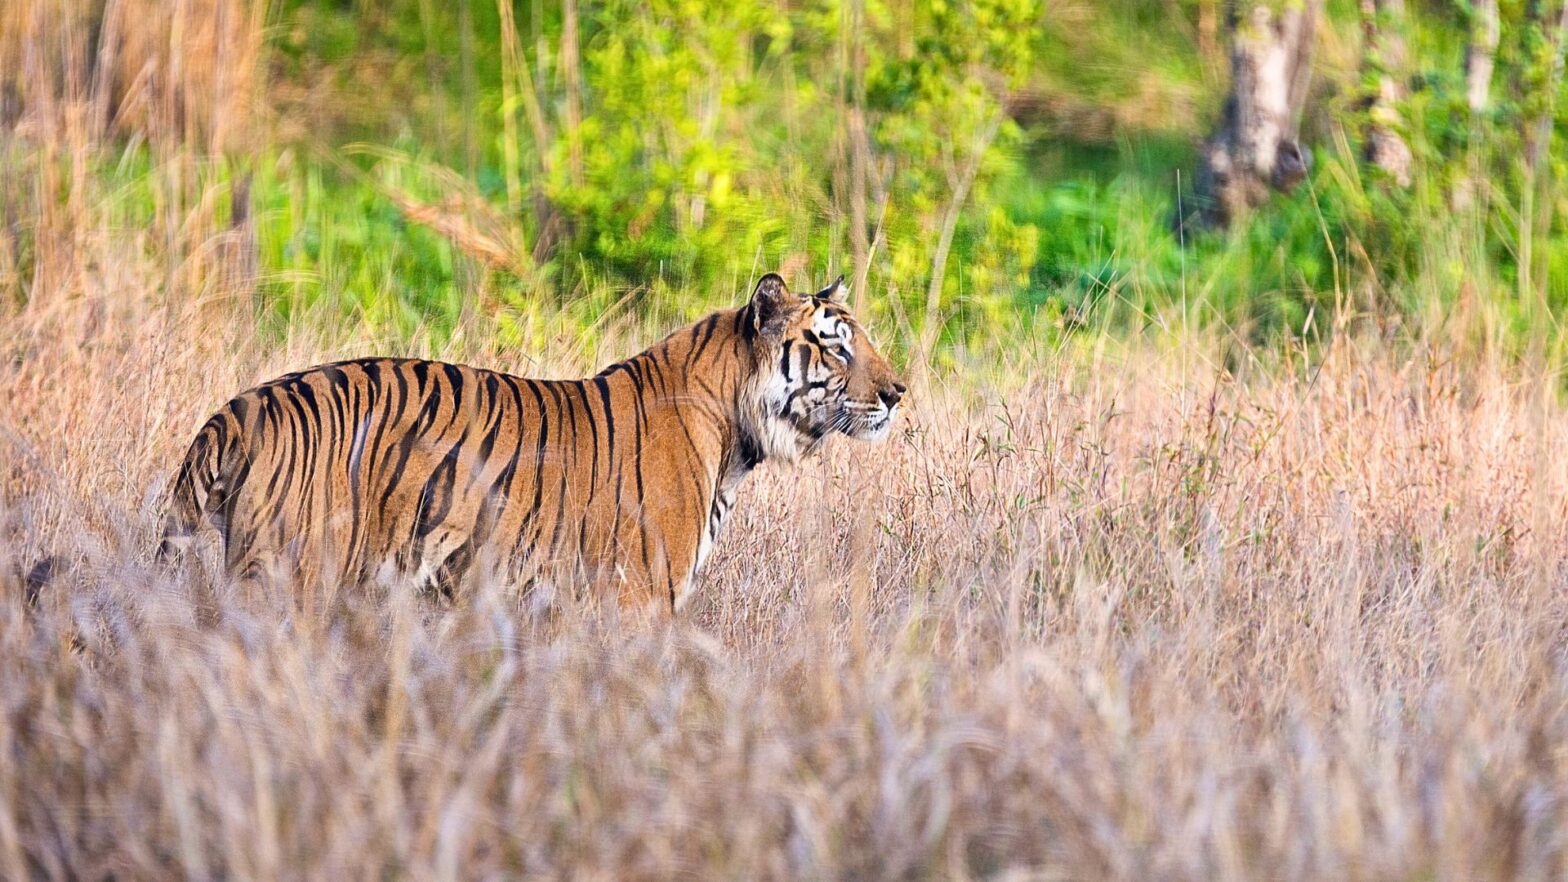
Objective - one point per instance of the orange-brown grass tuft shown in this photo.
(1124, 619)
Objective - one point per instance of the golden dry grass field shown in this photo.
(1148, 605)
(1124, 617)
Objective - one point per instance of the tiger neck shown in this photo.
(708, 368)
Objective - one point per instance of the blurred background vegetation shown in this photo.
(989, 173)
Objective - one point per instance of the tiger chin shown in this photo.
(360, 471)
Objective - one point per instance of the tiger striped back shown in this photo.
(401, 468)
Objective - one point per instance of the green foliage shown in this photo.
(335, 247)
(704, 143)
(679, 175)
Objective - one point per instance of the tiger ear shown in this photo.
(771, 304)
(833, 292)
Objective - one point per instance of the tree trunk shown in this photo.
(1538, 132)
(1208, 29)
(511, 59)
(1382, 23)
(1485, 31)
(1471, 191)
(571, 68)
(465, 51)
(1255, 149)
(1535, 206)
(859, 158)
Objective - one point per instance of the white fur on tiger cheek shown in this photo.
(777, 438)
(782, 411)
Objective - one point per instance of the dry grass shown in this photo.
(1120, 617)
(1128, 619)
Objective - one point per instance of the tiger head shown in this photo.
(817, 372)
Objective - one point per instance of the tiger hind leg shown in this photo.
(452, 570)
(442, 580)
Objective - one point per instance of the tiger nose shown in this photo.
(891, 395)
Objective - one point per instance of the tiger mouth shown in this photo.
(876, 428)
(862, 421)
(870, 423)
(867, 425)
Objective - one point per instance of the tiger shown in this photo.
(388, 468)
